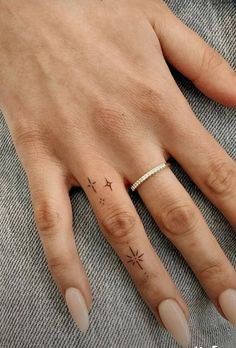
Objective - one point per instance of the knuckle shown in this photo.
(111, 120)
(59, 264)
(27, 136)
(221, 178)
(213, 270)
(149, 99)
(119, 226)
(47, 218)
(211, 61)
(179, 220)
(33, 145)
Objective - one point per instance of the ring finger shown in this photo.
(181, 221)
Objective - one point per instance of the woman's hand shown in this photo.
(90, 102)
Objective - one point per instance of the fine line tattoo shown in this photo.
(108, 184)
(91, 184)
(135, 258)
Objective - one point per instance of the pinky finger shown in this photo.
(53, 215)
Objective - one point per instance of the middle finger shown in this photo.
(181, 221)
(122, 227)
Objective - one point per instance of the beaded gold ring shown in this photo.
(148, 174)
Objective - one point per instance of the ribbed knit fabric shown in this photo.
(32, 311)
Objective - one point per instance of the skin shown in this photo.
(89, 98)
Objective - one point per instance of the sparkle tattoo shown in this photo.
(91, 184)
(135, 258)
(108, 184)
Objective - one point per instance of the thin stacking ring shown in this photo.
(147, 175)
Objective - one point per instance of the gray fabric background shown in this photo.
(32, 311)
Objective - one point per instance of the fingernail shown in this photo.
(77, 308)
(175, 322)
(227, 301)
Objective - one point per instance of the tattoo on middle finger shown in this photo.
(135, 258)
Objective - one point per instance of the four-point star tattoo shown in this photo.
(91, 184)
(108, 184)
(135, 258)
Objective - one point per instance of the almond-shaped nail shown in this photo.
(175, 322)
(227, 301)
(77, 308)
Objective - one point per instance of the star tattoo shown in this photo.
(108, 184)
(91, 184)
(135, 258)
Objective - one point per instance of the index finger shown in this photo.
(194, 58)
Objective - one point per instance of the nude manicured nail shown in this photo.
(227, 301)
(175, 322)
(77, 307)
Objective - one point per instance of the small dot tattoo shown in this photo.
(91, 184)
(102, 201)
